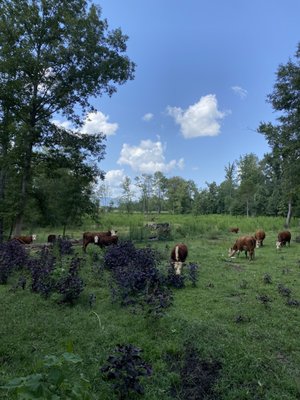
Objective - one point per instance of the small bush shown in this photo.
(125, 368)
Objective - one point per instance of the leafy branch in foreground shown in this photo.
(56, 380)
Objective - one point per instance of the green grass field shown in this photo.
(235, 316)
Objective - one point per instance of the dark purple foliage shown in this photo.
(124, 368)
(71, 285)
(41, 269)
(65, 247)
(136, 278)
(174, 280)
(193, 273)
(12, 256)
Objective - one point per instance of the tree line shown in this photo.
(55, 56)
(249, 188)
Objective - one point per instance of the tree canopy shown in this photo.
(55, 55)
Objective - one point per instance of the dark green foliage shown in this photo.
(55, 380)
(125, 368)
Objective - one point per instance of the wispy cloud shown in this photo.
(242, 93)
(199, 119)
(147, 117)
(148, 157)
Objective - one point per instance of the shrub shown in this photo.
(125, 368)
(12, 256)
(71, 285)
(136, 278)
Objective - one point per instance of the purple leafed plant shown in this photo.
(12, 256)
(125, 368)
(41, 269)
(135, 276)
(71, 285)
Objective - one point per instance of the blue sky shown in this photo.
(204, 70)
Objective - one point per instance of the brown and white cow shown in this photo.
(104, 241)
(25, 239)
(260, 237)
(93, 237)
(179, 254)
(234, 230)
(284, 237)
(244, 243)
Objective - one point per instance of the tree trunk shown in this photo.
(2, 186)
(24, 190)
(289, 214)
(247, 208)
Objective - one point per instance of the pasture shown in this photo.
(231, 335)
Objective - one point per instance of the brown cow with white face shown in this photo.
(25, 239)
(104, 241)
(260, 236)
(93, 237)
(244, 243)
(178, 257)
(284, 237)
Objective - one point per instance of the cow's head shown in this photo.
(178, 267)
(96, 239)
(258, 243)
(231, 252)
(278, 245)
(113, 233)
(33, 237)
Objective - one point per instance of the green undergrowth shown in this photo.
(234, 320)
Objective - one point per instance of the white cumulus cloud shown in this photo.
(199, 119)
(95, 122)
(112, 184)
(242, 93)
(147, 158)
(148, 117)
(98, 122)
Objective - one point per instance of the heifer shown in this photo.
(260, 237)
(104, 241)
(52, 238)
(283, 238)
(25, 239)
(234, 230)
(244, 243)
(178, 257)
(89, 237)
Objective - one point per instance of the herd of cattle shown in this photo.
(179, 252)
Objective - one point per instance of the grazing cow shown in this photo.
(244, 243)
(283, 238)
(260, 237)
(89, 237)
(104, 241)
(25, 239)
(52, 238)
(234, 230)
(178, 257)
